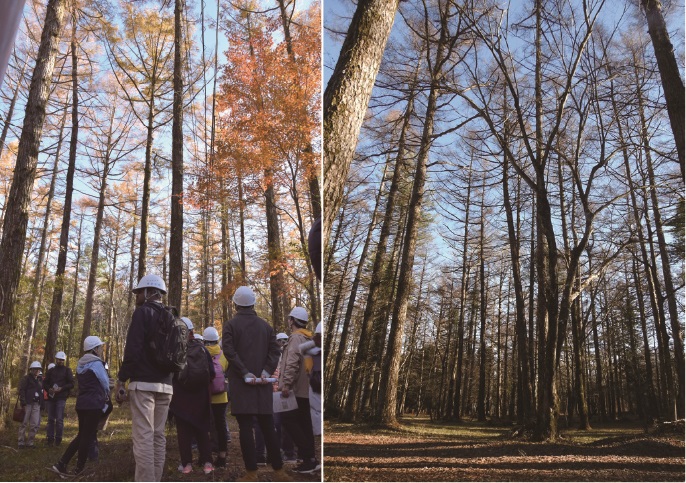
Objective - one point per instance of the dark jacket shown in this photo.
(137, 365)
(30, 390)
(63, 377)
(93, 383)
(249, 344)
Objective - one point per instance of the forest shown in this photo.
(179, 138)
(509, 243)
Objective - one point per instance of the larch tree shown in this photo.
(347, 95)
(16, 219)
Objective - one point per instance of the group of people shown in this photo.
(50, 392)
(249, 365)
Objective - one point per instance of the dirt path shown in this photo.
(422, 451)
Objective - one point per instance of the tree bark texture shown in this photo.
(16, 216)
(176, 220)
(347, 95)
(672, 84)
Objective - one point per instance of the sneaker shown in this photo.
(307, 467)
(220, 462)
(261, 463)
(208, 469)
(290, 460)
(21, 446)
(60, 468)
(186, 469)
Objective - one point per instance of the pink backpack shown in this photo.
(217, 384)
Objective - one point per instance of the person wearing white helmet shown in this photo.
(30, 397)
(293, 376)
(249, 344)
(191, 406)
(58, 382)
(150, 387)
(92, 403)
(220, 398)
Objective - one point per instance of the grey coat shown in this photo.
(249, 344)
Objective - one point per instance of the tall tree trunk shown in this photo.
(524, 383)
(356, 282)
(16, 216)
(176, 219)
(95, 251)
(75, 291)
(389, 383)
(347, 95)
(277, 281)
(673, 88)
(147, 175)
(370, 309)
(56, 306)
(35, 299)
(241, 219)
(481, 398)
(671, 292)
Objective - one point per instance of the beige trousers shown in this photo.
(32, 422)
(149, 415)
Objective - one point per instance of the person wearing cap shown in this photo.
(30, 396)
(219, 399)
(293, 376)
(91, 404)
(249, 345)
(150, 388)
(58, 382)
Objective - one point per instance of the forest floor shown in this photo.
(421, 450)
(116, 462)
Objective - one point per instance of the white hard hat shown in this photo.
(151, 281)
(244, 297)
(299, 313)
(91, 342)
(198, 336)
(188, 322)
(35, 365)
(61, 355)
(210, 334)
(281, 335)
(318, 329)
(51, 365)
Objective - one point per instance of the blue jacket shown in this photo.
(94, 387)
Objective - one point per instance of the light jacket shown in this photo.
(292, 368)
(94, 384)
